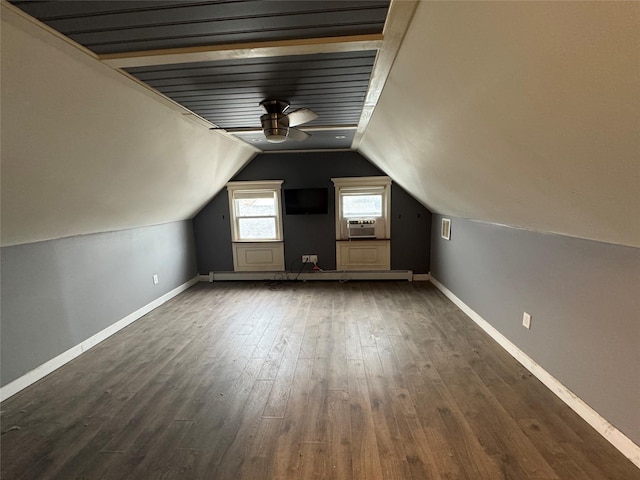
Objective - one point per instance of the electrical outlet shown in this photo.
(305, 258)
(526, 320)
(155, 279)
(313, 258)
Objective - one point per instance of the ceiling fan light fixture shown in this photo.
(275, 123)
(275, 136)
(275, 127)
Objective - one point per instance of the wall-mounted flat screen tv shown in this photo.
(306, 201)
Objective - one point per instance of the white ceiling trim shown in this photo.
(397, 22)
(25, 16)
(316, 128)
(210, 53)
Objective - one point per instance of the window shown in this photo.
(362, 202)
(255, 211)
(363, 198)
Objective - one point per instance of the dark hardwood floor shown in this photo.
(315, 380)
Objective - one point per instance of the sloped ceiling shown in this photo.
(519, 113)
(87, 146)
(85, 149)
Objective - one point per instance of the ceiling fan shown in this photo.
(278, 125)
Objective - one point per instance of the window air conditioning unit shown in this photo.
(362, 228)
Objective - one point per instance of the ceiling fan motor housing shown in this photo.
(275, 123)
(275, 126)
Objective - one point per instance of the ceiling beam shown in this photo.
(207, 53)
(398, 20)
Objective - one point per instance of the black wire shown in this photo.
(299, 271)
(276, 283)
(279, 278)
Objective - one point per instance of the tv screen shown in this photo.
(306, 201)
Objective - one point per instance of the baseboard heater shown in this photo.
(341, 275)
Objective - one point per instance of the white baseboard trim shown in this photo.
(304, 276)
(46, 368)
(614, 436)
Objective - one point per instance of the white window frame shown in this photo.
(236, 189)
(363, 185)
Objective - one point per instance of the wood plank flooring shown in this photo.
(315, 380)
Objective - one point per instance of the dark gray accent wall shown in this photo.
(313, 234)
(410, 232)
(583, 296)
(58, 293)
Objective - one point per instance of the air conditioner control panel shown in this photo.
(353, 223)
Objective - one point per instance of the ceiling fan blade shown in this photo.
(298, 135)
(300, 116)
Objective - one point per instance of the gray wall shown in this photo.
(313, 234)
(584, 298)
(58, 293)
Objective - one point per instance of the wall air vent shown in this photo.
(445, 231)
